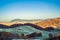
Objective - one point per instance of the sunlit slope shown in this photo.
(9, 23)
(55, 23)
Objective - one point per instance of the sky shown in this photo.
(29, 9)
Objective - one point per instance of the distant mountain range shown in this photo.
(19, 20)
(54, 23)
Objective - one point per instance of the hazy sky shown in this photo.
(29, 9)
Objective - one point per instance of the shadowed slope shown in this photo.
(26, 24)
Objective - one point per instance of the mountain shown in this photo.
(26, 20)
(16, 20)
(55, 23)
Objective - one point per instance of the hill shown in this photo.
(55, 23)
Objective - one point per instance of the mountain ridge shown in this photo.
(27, 24)
(55, 23)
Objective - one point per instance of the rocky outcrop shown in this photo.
(10, 36)
(51, 37)
(32, 35)
(54, 38)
